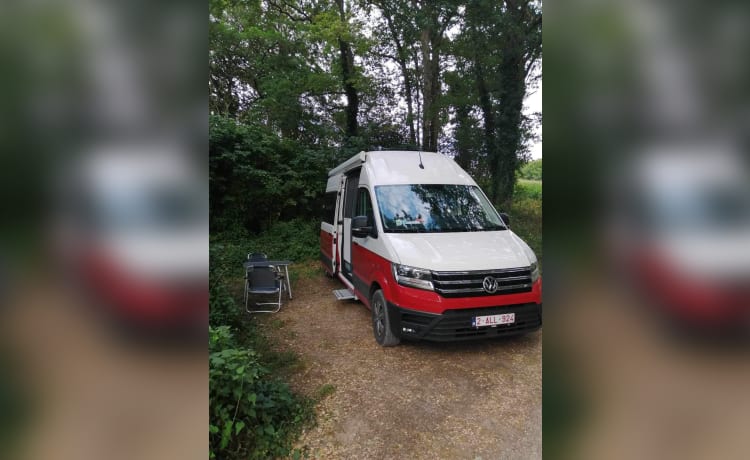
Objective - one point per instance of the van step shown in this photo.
(344, 294)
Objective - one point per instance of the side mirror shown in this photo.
(362, 227)
(506, 219)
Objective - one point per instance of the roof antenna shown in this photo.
(421, 166)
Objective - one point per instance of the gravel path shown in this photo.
(417, 400)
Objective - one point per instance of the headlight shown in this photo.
(534, 271)
(414, 277)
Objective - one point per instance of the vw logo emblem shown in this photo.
(490, 284)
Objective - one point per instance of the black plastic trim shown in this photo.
(455, 325)
(325, 259)
(361, 286)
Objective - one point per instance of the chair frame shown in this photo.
(280, 287)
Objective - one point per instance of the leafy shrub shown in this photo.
(528, 189)
(531, 170)
(251, 415)
(223, 310)
(297, 240)
(526, 214)
(225, 268)
(257, 177)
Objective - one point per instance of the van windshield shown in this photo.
(435, 208)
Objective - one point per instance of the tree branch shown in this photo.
(280, 9)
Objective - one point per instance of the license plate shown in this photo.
(493, 320)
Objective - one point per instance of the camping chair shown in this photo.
(263, 279)
(256, 256)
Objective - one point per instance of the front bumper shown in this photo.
(455, 325)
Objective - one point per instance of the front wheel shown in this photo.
(381, 324)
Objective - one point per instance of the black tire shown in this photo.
(381, 324)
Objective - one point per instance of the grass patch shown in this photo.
(306, 270)
(324, 390)
(527, 188)
(280, 363)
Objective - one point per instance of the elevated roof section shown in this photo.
(390, 167)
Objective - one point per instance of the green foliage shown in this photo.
(531, 170)
(526, 214)
(251, 415)
(288, 100)
(494, 54)
(257, 178)
(528, 189)
(223, 310)
(296, 240)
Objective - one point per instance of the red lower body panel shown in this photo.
(372, 268)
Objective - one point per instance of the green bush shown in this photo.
(297, 240)
(222, 308)
(257, 178)
(251, 415)
(531, 170)
(225, 262)
(528, 189)
(526, 214)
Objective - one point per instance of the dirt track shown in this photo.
(417, 400)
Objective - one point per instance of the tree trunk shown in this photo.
(409, 103)
(347, 76)
(463, 153)
(418, 101)
(512, 75)
(401, 59)
(490, 128)
(431, 90)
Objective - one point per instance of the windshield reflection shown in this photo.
(435, 208)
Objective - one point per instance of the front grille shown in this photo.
(469, 283)
(456, 324)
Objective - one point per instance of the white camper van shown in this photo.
(412, 236)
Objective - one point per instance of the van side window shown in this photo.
(364, 206)
(329, 207)
(350, 195)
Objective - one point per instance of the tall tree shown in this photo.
(500, 42)
(433, 19)
(415, 33)
(520, 48)
(295, 82)
(401, 32)
(348, 77)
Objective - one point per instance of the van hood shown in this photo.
(460, 251)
